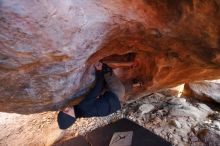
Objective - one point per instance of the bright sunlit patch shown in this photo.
(179, 89)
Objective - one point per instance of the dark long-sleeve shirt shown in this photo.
(102, 106)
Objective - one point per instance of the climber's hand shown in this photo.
(98, 66)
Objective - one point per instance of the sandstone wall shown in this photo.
(47, 48)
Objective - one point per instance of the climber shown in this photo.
(103, 99)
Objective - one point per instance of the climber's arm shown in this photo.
(96, 90)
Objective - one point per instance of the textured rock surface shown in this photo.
(180, 130)
(209, 137)
(47, 47)
(204, 91)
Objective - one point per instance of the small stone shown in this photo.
(216, 124)
(178, 101)
(169, 135)
(48, 122)
(152, 116)
(34, 121)
(181, 144)
(157, 131)
(159, 95)
(175, 123)
(198, 143)
(184, 139)
(175, 142)
(159, 113)
(145, 108)
(156, 120)
(194, 139)
(195, 129)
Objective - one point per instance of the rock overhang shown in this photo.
(48, 48)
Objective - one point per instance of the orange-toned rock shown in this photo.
(47, 48)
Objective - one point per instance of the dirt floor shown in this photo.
(177, 120)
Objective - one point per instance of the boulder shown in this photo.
(205, 91)
(48, 48)
(180, 108)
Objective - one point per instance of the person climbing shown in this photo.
(99, 101)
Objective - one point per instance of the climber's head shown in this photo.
(66, 118)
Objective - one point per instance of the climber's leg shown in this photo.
(115, 85)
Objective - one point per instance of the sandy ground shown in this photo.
(164, 118)
(26, 130)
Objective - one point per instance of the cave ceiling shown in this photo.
(47, 48)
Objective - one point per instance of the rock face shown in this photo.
(47, 48)
(205, 91)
